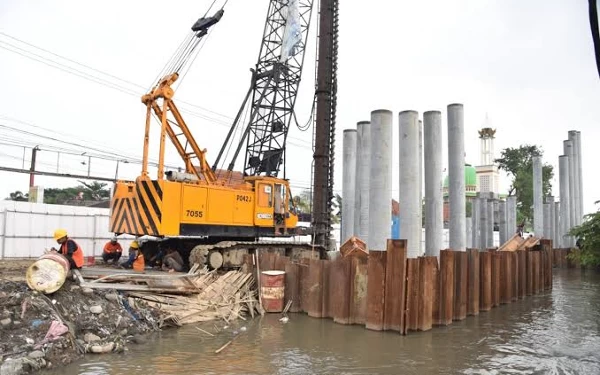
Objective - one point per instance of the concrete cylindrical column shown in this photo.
(538, 197)
(574, 165)
(348, 184)
(502, 232)
(557, 236)
(363, 165)
(550, 218)
(580, 176)
(434, 214)
(565, 201)
(469, 234)
(421, 177)
(511, 214)
(483, 223)
(547, 223)
(490, 223)
(410, 208)
(476, 223)
(568, 150)
(456, 177)
(380, 188)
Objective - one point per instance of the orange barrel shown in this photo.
(272, 287)
(48, 273)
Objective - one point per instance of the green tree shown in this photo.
(589, 235)
(17, 196)
(517, 162)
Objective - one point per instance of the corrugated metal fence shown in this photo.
(26, 229)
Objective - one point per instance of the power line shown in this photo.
(106, 83)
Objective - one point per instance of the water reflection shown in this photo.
(553, 333)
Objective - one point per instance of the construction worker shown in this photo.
(69, 249)
(136, 258)
(112, 251)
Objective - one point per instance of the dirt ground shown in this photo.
(82, 321)
(14, 269)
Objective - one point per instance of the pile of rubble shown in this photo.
(43, 331)
(104, 309)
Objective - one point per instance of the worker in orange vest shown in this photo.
(69, 249)
(112, 250)
(136, 258)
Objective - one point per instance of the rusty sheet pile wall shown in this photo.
(385, 291)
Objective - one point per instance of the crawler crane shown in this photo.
(218, 215)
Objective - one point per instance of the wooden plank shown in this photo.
(395, 285)
(496, 266)
(340, 293)
(412, 294)
(435, 293)
(376, 290)
(461, 279)
(292, 286)
(358, 290)
(446, 286)
(315, 292)
(425, 314)
(473, 282)
(485, 274)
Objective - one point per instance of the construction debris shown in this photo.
(517, 242)
(354, 247)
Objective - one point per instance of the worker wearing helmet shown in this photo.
(112, 251)
(136, 258)
(69, 248)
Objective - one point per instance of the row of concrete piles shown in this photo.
(367, 187)
(552, 219)
(367, 180)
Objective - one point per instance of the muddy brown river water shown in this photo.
(557, 332)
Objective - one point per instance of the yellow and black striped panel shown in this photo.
(138, 212)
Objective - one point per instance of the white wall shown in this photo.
(26, 229)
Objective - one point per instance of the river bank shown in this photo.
(108, 313)
(39, 331)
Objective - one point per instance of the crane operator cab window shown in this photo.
(279, 195)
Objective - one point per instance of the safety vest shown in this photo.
(77, 255)
(110, 248)
(139, 264)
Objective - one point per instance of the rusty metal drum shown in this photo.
(272, 287)
(48, 273)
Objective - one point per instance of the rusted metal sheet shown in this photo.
(327, 290)
(496, 266)
(446, 286)
(427, 266)
(485, 291)
(395, 286)
(304, 284)
(473, 280)
(522, 273)
(315, 291)
(514, 271)
(292, 286)
(339, 285)
(412, 294)
(505, 277)
(376, 290)
(358, 291)
(461, 262)
(435, 294)
(280, 262)
(529, 269)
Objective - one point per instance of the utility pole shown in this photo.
(32, 168)
(325, 122)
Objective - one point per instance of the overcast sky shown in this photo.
(528, 64)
